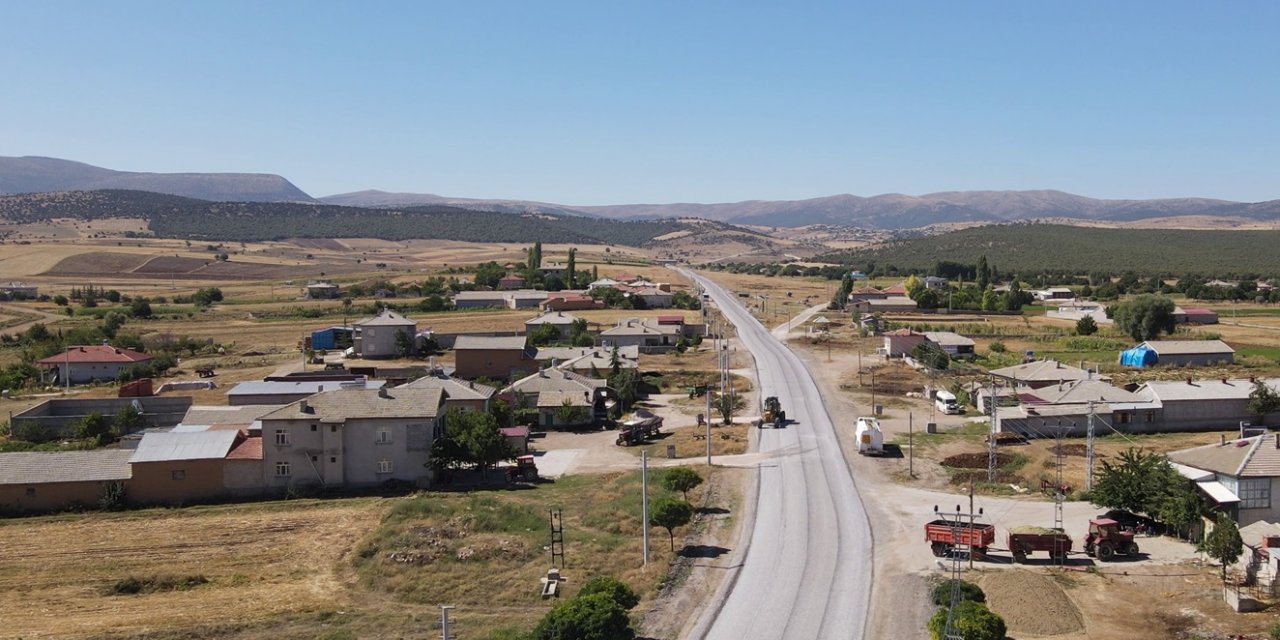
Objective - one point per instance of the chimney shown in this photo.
(304, 407)
(1222, 439)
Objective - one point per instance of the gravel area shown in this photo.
(1032, 604)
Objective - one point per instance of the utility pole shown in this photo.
(444, 622)
(644, 500)
(949, 632)
(1088, 463)
(911, 447)
(991, 436)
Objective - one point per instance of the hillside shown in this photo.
(1028, 247)
(177, 217)
(32, 174)
(384, 199)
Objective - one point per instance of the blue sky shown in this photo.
(609, 102)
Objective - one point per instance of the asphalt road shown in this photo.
(807, 571)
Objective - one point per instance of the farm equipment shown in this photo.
(773, 413)
(944, 535)
(524, 469)
(641, 426)
(1025, 540)
(1106, 539)
(697, 391)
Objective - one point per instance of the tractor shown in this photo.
(773, 413)
(1105, 540)
(524, 469)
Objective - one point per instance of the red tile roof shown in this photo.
(515, 432)
(896, 289)
(95, 354)
(249, 449)
(670, 319)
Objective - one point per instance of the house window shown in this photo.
(282, 437)
(31, 492)
(333, 458)
(315, 458)
(384, 436)
(313, 427)
(333, 428)
(1151, 416)
(1123, 417)
(1255, 493)
(384, 466)
(179, 474)
(282, 469)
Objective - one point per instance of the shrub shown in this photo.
(997, 347)
(592, 617)
(154, 584)
(615, 589)
(972, 621)
(969, 592)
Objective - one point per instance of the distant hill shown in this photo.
(1034, 248)
(887, 211)
(178, 217)
(33, 174)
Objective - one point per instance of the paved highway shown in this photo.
(807, 571)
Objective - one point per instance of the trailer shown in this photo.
(869, 437)
(945, 535)
(641, 426)
(1025, 540)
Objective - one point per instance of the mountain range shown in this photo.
(888, 211)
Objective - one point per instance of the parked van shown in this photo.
(946, 402)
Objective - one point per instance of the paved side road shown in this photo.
(807, 570)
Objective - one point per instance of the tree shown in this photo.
(984, 273)
(670, 513)
(617, 590)
(112, 322)
(476, 440)
(1262, 400)
(1223, 543)
(728, 404)
(140, 308)
(681, 479)
(568, 414)
(543, 335)
(1086, 326)
(206, 296)
(580, 334)
(595, 616)
(404, 344)
(1181, 506)
(931, 355)
(127, 420)
(489, 273)
(570, 267)
(971, 621)
(1144, 317)
(96, 428)
(626, 383)
(433, 302)
(1145, 482)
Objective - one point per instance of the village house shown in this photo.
(598, 361)
(498, 357)
(510, 283)
(185, 467)
(866, 293)
(563, 399)
(901, 342)
(603, 282)
(479, 299)
(556, 356)
(650, 335)
(464, 395)
(1201, 405)
(1043, 373)
(321, 291)
(1195, 315)
(567, 301)
(19, 291)
(1178, 353)
(38, 481)
(1237, 476)
(654, 297)
(1065, 409)
(954, 344)
(87, 363)
(1054, 293)
(934, 282)
(554, 270)
(888, 304)
(563, 322)
(278, 392)
(387, 335)
(352, 438)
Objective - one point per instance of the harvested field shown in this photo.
(98, 263)
(172, 264)
(1032, 604)
(261, 561)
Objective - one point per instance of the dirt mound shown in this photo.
(975, 460)
(1074, 450)
(1032, 604)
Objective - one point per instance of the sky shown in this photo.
(592, 102)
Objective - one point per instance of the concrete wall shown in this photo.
(243, 477)
(85, 372)
(58, 413)
(176, 481)
(51, 496)
(447, 340)
(466, 405)
(1195, 359)
(380, 342)
(347, 455)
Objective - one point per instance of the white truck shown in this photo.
(869, 437)
(946, 402)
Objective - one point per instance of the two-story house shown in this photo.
(352, 437)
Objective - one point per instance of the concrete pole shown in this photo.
(644, 502)
(911, 447)
(444, 622)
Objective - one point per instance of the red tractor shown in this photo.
(1106, 539)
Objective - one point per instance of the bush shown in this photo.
(592, 617)
(1275, 632)
(972, 621)
(969, 592)
(153, 584)
(617, 590)
(997, 347)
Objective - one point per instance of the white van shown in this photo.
(946, 402)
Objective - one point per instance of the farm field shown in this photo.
(348, 567)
